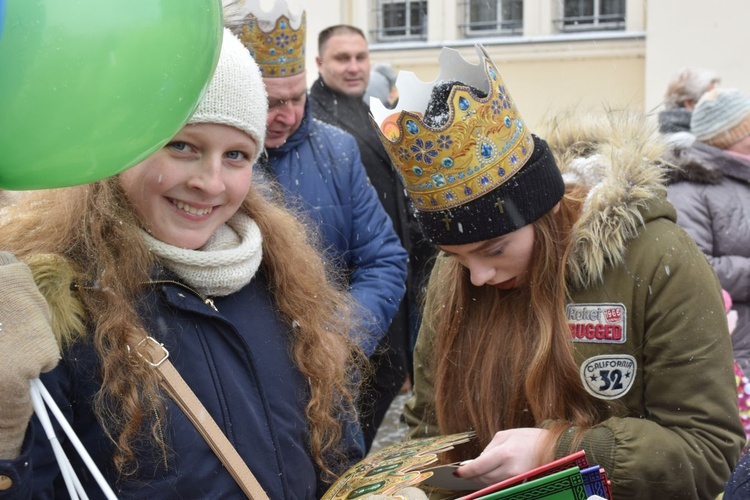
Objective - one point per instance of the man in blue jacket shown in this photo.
(320, 171)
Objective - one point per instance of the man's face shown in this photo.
(344, 64)
(286, 107)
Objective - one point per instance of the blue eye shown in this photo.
(178, 146)
(236, 155)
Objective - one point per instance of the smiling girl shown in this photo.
(187, 249)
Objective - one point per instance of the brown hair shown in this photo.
(339, 29)
(509, 352)
(95, 229)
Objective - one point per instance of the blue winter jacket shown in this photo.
(320, 168)
(236, 360)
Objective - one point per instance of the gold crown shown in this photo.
(481, 145)
(275, 38)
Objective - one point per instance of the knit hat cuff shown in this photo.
(727, 138)
(236, 95)
(529, 194)
(231, 122)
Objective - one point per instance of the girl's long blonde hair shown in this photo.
(504, 359)
(94, 228)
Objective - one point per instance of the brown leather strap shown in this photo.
(193, 408)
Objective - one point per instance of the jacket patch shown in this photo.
(597, 323)
(608, 376)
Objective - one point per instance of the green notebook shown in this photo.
(563, 485)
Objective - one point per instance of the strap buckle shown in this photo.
(153, 346)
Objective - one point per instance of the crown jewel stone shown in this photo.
(464, 121)
(275, 38)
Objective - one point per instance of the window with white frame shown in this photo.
(492, 17)
(401, 20)
(592, 15)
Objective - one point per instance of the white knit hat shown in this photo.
(721, 118)
(236, 95)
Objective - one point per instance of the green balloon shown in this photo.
(89, 88)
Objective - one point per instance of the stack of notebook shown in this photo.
(569, 478)
(412, 463)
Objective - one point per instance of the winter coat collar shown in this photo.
(618, 157)
(675, 120)
(336, 97)
(704, 164)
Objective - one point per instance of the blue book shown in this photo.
(595, 481)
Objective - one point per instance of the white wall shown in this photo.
(702, 34)
(320, 15)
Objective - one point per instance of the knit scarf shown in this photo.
(226, 263)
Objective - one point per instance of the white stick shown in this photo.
(62, 459)
(106, 489)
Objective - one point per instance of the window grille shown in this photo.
(584, 15)
(401, 20)
(493, 17)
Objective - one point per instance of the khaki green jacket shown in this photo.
(648, 324)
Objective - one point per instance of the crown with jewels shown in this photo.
(482, 143)
(275, 38)
(465, 156)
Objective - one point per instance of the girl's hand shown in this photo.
(27, 348)
(510, 453)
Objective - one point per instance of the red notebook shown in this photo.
(575, 459)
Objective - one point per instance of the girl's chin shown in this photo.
(506, 285)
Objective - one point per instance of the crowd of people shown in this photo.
(294, 258)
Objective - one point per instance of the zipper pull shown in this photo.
(209, 301)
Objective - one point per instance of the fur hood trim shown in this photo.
(704, 164)
(692, 170)
(55, 277)
(618, 156)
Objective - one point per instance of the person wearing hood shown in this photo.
(710, 188)
(562, 313)
(382, 85)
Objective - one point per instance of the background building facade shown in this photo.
(555, 54)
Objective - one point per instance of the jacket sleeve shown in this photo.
(688, 438)
(419, 410)
(377, 257)
(695, 215)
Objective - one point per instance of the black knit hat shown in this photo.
(470, 166)
(530, 193)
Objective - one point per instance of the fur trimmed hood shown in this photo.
(56, 279)
(704, 164)
(618, 156)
